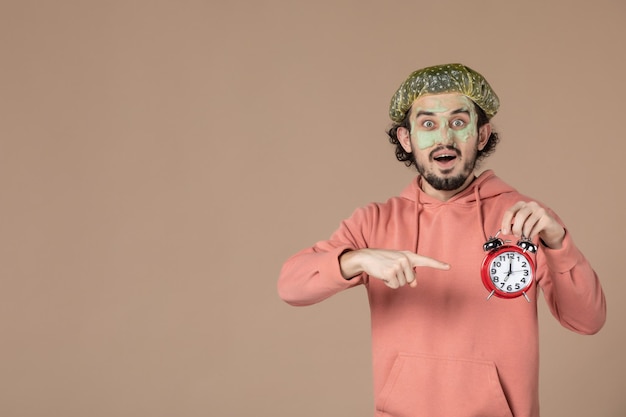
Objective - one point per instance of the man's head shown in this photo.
(442, 127)
(449, 78)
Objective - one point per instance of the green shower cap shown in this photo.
(449, 78)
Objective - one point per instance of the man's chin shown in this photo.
(445, 183)
(446, 179)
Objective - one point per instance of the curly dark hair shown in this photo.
(409, 159)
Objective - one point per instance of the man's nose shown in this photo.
(446, 136)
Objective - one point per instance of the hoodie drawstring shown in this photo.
(418, 211)
(479, 208)
(419, 207)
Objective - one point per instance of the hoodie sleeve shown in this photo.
(571, 288)
(314, 274)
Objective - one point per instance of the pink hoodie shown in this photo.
(442, 349)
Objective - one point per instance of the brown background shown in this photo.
(159, 161)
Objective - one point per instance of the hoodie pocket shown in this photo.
(433, 386)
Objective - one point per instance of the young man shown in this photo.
(440, 347)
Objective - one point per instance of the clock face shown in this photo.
(508, 271)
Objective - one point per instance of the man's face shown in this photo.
(444, 139)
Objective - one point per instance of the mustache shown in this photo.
(444, 148)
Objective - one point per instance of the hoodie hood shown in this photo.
(487, 185)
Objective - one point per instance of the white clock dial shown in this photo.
(510, 272)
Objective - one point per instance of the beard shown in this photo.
(447, 183)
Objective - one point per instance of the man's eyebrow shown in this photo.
(462, 110)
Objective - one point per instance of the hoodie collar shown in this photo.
(485, 185)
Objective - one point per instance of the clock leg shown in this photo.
(526, 297)
(490, 294)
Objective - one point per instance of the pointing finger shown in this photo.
(419, 260)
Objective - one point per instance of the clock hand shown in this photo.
(508, 274)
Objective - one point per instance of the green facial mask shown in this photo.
(444, 132)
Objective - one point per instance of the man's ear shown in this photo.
(483, 135)
(404, 137)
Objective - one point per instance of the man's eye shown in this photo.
(458, 123)
(428, 124)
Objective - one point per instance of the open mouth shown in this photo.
(444, 157)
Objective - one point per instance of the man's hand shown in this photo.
(530, 220)
(395, 268)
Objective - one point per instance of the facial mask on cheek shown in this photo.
(426, 139)
(470, 130)
(445, 135)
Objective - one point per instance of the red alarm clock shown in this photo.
(508, 271)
